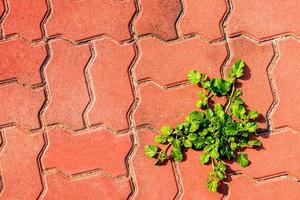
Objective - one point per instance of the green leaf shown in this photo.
(160, 139)
(230, 130)
(233, 146)
(214, 153)
(196, 116)
(251, 126)
(204, 158)
(212, 185)
(219, 110)
(220, 175)
(194, 77)
(242, 159)
(192, 136)
(209, 113)
(151, 150)
(220, 166)
(170, 139)
(176, 143)
(179, 127)
(201, 103)
(206, 84)
(162, 156)
(237, 93)
(256, 143)
(187, 143)
(238, 111)
(225, 87)
(194, 126)
(220, 86)
(199, 143)
(177, 155)
(166, 130)
(253, 114)
(237, 69)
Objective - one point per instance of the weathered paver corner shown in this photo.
(85, 85)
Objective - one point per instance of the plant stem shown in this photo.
(213, 163)
(230, 97)
(166, 148)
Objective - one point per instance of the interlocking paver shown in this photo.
(263, 19)
(147, 173)
(115, 72)
(279, 189)
(68, 89)
(203, 18)
(255, 84)
(157, 105)
(87, 151)
(21, 106)
(169, 63)
(19, 168)
(91, 188)
(24, 18)
(83, 19)
(194, 176)
(288, 85)
(159, 18)
(110, 78)
(271, 158)
(21, 61)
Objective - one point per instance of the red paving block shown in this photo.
(87, 151)
(279, 189)
(19, 170)
(262, 19)
(168, 63)
(157, 105)
(159, 18)
(24, 18)
(274, 157)
(68, 90)
(113, 93)
(91, 188)
(203, 18)
(160, 179)
(194, 176)
(20, 105)
(255, 83)
(84, 19)
(288, 85)
(21, 61)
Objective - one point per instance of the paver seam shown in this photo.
(273, 85)
(86, 174)
(2, 146)
(89, 84)
(179, 18)
(47, 101)
(3, 16)
(255, 182)
(226, 39)
(130, 118)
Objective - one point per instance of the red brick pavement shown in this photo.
(85, 85)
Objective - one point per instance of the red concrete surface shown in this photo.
(85, 85)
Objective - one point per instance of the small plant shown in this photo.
(221, 131)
